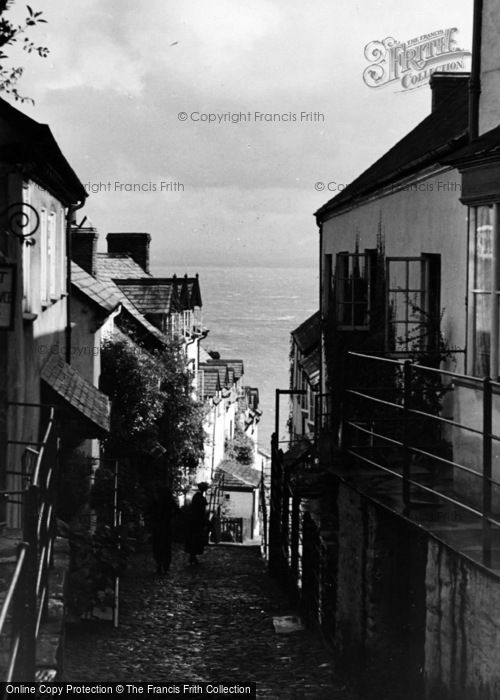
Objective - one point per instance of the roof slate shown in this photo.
(239, 475)
(208, 382)
(311, 365)
(148, 299)
(77, 391)
(100, 293)
(111, 266)
(218, 367)
(307, 335)
(235, 365)
(442, 132)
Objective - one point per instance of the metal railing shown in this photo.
(232, 527)
(26, 601)
(394, 418)
(299, 555)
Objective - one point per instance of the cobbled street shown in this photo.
(212, 622)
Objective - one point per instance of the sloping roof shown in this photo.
(239, 476)
(31, 143)
(208, 382)
(308, 334)
(235, 365)
(189, 294)
(111, 266)
(157, 296)
(439, 134)
(101, 294)
(311, 365)
(77, 391)
(218, 367)
(161, 294)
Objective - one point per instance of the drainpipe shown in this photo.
(475, 75)
(321, 313)
(69, 219)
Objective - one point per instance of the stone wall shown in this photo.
(415, 619)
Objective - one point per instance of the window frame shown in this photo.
(483, 367)
(429, 275)
(352, 303)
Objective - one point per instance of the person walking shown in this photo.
(198, 524)
(160, 521)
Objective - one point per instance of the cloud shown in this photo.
(118, 76)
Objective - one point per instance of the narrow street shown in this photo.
(213, 622)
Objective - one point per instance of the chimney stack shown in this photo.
(84, 248)
(443, 84)
(134, 244)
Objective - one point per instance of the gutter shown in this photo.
(436, 156)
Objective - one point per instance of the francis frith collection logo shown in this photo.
(410, 64)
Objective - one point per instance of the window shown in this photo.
(48, 256)
(352, 291)
(481, 291)
(43, 257)
(413, 303)
(51, 255)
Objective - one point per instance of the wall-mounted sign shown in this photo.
(7, 294)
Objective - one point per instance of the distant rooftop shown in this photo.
(307, 335)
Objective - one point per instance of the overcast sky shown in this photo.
(120, 72)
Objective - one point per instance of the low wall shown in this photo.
(415, 619)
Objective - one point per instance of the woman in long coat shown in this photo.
(197, 525)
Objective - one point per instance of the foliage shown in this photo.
(74, 484)
(427, 347)
(97, 559)
(152, 404)
(10, 34)
(240, 448)
(129, 376)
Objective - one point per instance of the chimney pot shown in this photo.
(443, 84)
(134, 244)
(84, 248)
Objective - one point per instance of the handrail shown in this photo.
(29, 580)
(419, 451)
(13, 583)
(446, 372)
(42, 447)
(415, 411)
(410, 444)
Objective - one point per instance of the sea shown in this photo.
(250, 313)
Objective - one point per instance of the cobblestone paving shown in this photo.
(208, 623)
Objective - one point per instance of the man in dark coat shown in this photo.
(197, 524)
